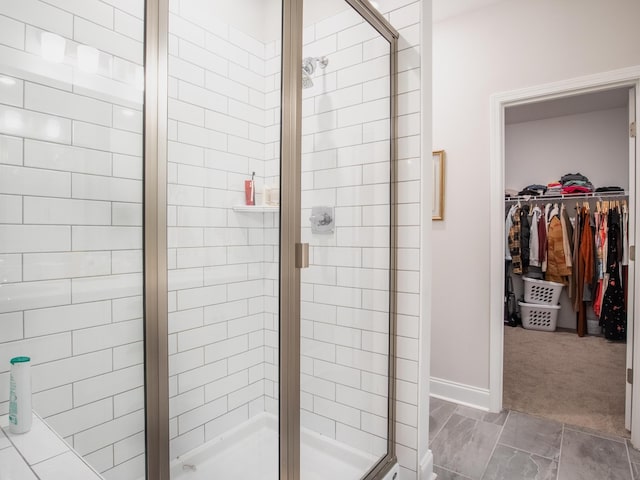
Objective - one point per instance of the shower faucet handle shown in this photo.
(322, 220)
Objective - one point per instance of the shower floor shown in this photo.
(251, 452)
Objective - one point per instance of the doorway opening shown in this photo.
(539, 136)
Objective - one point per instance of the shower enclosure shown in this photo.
(280, 314)
(187, 333)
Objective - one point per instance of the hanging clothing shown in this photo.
(588, 253)
(625, 254)
(544, 247)
(585, 269)
(625, 236)
(600, 240)
(599, 297)
(542, 243)
(557, 270)
(514, 243)
(614, 317)
(567, 235)
(590, 283)
(577, 234)
(525, 236)
(534, 242)
(507, 228)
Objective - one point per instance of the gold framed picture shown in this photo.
(437, 212)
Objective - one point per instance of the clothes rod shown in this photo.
(566, 196)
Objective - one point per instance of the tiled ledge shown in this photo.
(40, 454)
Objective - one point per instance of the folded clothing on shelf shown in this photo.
(573, 176)
(610, 189)
(576, 183)
(554, 188)
(533, 189)
(577, 189)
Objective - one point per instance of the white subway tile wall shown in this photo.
(222, 263)
(71, 220)
(225, 111)
(404, 15)
(347, 154)
(71, 217)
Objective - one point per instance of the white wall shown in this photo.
(595, 144)
(505, 46)
(71, 222)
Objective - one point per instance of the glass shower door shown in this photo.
(223, 235)
(71, 236)
(346, 218)
(236, 377)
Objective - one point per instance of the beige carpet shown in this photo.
(557, 375)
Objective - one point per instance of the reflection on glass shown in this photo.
(224, 132)
(52, 47)
(71, 224)
(88, 59)
(346, 169)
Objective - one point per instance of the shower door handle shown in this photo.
(302, 255)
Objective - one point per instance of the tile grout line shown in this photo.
(629, 459)
(443, 425)
(462, 476)
(527, 452)
(19, 452)
(560, 453)
(595, 433)
(484, 470)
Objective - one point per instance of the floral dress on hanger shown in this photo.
(613, 316)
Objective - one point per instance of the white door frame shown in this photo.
(627, 77)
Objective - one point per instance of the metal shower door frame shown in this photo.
(155, 237)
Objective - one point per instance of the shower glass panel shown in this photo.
(71, 239)
(224, 98)
(346, 217)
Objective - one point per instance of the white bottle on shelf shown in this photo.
(20, 395)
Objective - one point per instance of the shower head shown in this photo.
(306, 79)
(309, 65)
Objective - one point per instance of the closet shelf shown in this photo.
(256, 208)
(566, 196)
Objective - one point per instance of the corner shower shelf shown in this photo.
(256, 208)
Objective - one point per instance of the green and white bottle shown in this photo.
(20, 395)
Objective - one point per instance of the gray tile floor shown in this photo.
(469, 444)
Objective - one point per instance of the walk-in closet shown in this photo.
(568, 225)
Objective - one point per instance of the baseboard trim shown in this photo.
(459, 393)
(426, 467)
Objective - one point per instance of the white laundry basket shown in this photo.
(539, 317)
(541, 291)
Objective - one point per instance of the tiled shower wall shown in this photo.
(345, 291)
(224, 339)
(218, 287)
(71, 220)
(224, 124)
(405, 16)
(272, 101)
(345, 149)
